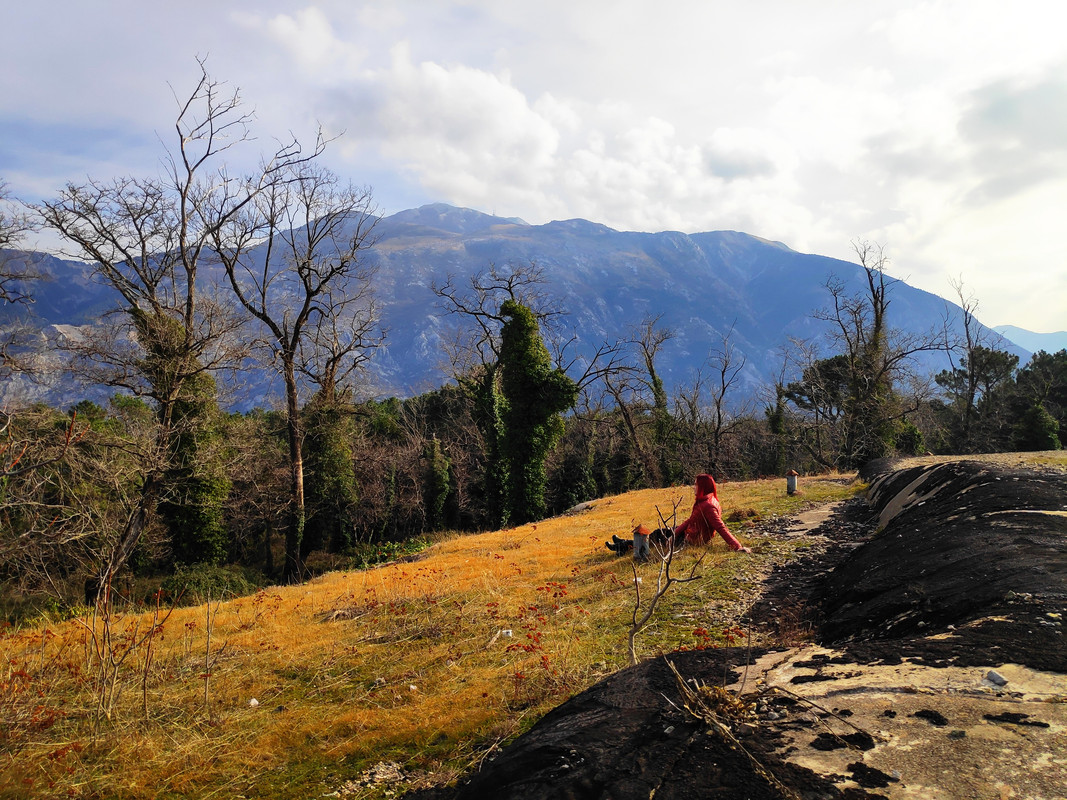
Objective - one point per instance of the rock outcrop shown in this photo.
(937, 668)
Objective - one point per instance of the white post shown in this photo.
(791, 481)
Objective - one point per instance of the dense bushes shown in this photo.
(384, 475)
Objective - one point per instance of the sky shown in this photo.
(936, 129)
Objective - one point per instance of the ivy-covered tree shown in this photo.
(517, 396)
(477, 365)
(534, 397)
(195, 483)
(438, 483)
(332, 492)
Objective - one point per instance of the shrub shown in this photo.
(195, 584)
(909, 440)
(1037, 430)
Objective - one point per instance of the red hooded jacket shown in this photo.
(706, 518)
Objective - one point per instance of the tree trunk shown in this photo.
(294, 535)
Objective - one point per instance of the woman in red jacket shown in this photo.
(706, 518)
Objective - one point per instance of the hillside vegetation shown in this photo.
(430, 663)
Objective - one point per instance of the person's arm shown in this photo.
(719, 525)
(682, 527)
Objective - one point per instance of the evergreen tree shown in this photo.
(909, 440)
(1043, 381)
(1037, 430)
(977, 392)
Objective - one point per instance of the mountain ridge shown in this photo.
(1032, 341)
(706, 287)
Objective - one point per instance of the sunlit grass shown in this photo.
(1056, 459)
(426, 662)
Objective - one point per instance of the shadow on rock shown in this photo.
(628, 737)
(957, 564)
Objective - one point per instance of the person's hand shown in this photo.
(745, 550)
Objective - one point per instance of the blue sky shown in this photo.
(936, 128)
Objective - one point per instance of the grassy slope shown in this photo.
(428, 663)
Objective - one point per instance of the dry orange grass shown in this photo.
(429, 662)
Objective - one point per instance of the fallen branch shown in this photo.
(716, 706)
(826, 711)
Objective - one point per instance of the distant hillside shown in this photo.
(705, 286)
(1033, 342)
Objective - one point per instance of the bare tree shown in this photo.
(627, 402)
(16, 273)
(340, 344)
(70, 486)
(725, 364)
(641, 400)
(644, 608)
(149, 238)
(477, 347)
(649, 338)
(295, 261)
(976, 371)
(15, 224)
(875, 359)
(257, 505)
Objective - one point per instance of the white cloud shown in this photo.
(968, 42)
(928, 125)
(309, 38)
(746, 153)
(1027, 276)
(464, 132)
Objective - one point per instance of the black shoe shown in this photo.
(612, 547)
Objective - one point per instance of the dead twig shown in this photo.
(718, 708)
(828, 712)
(664, 581)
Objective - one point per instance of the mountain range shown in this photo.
(703, 287)
(1032, 342)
